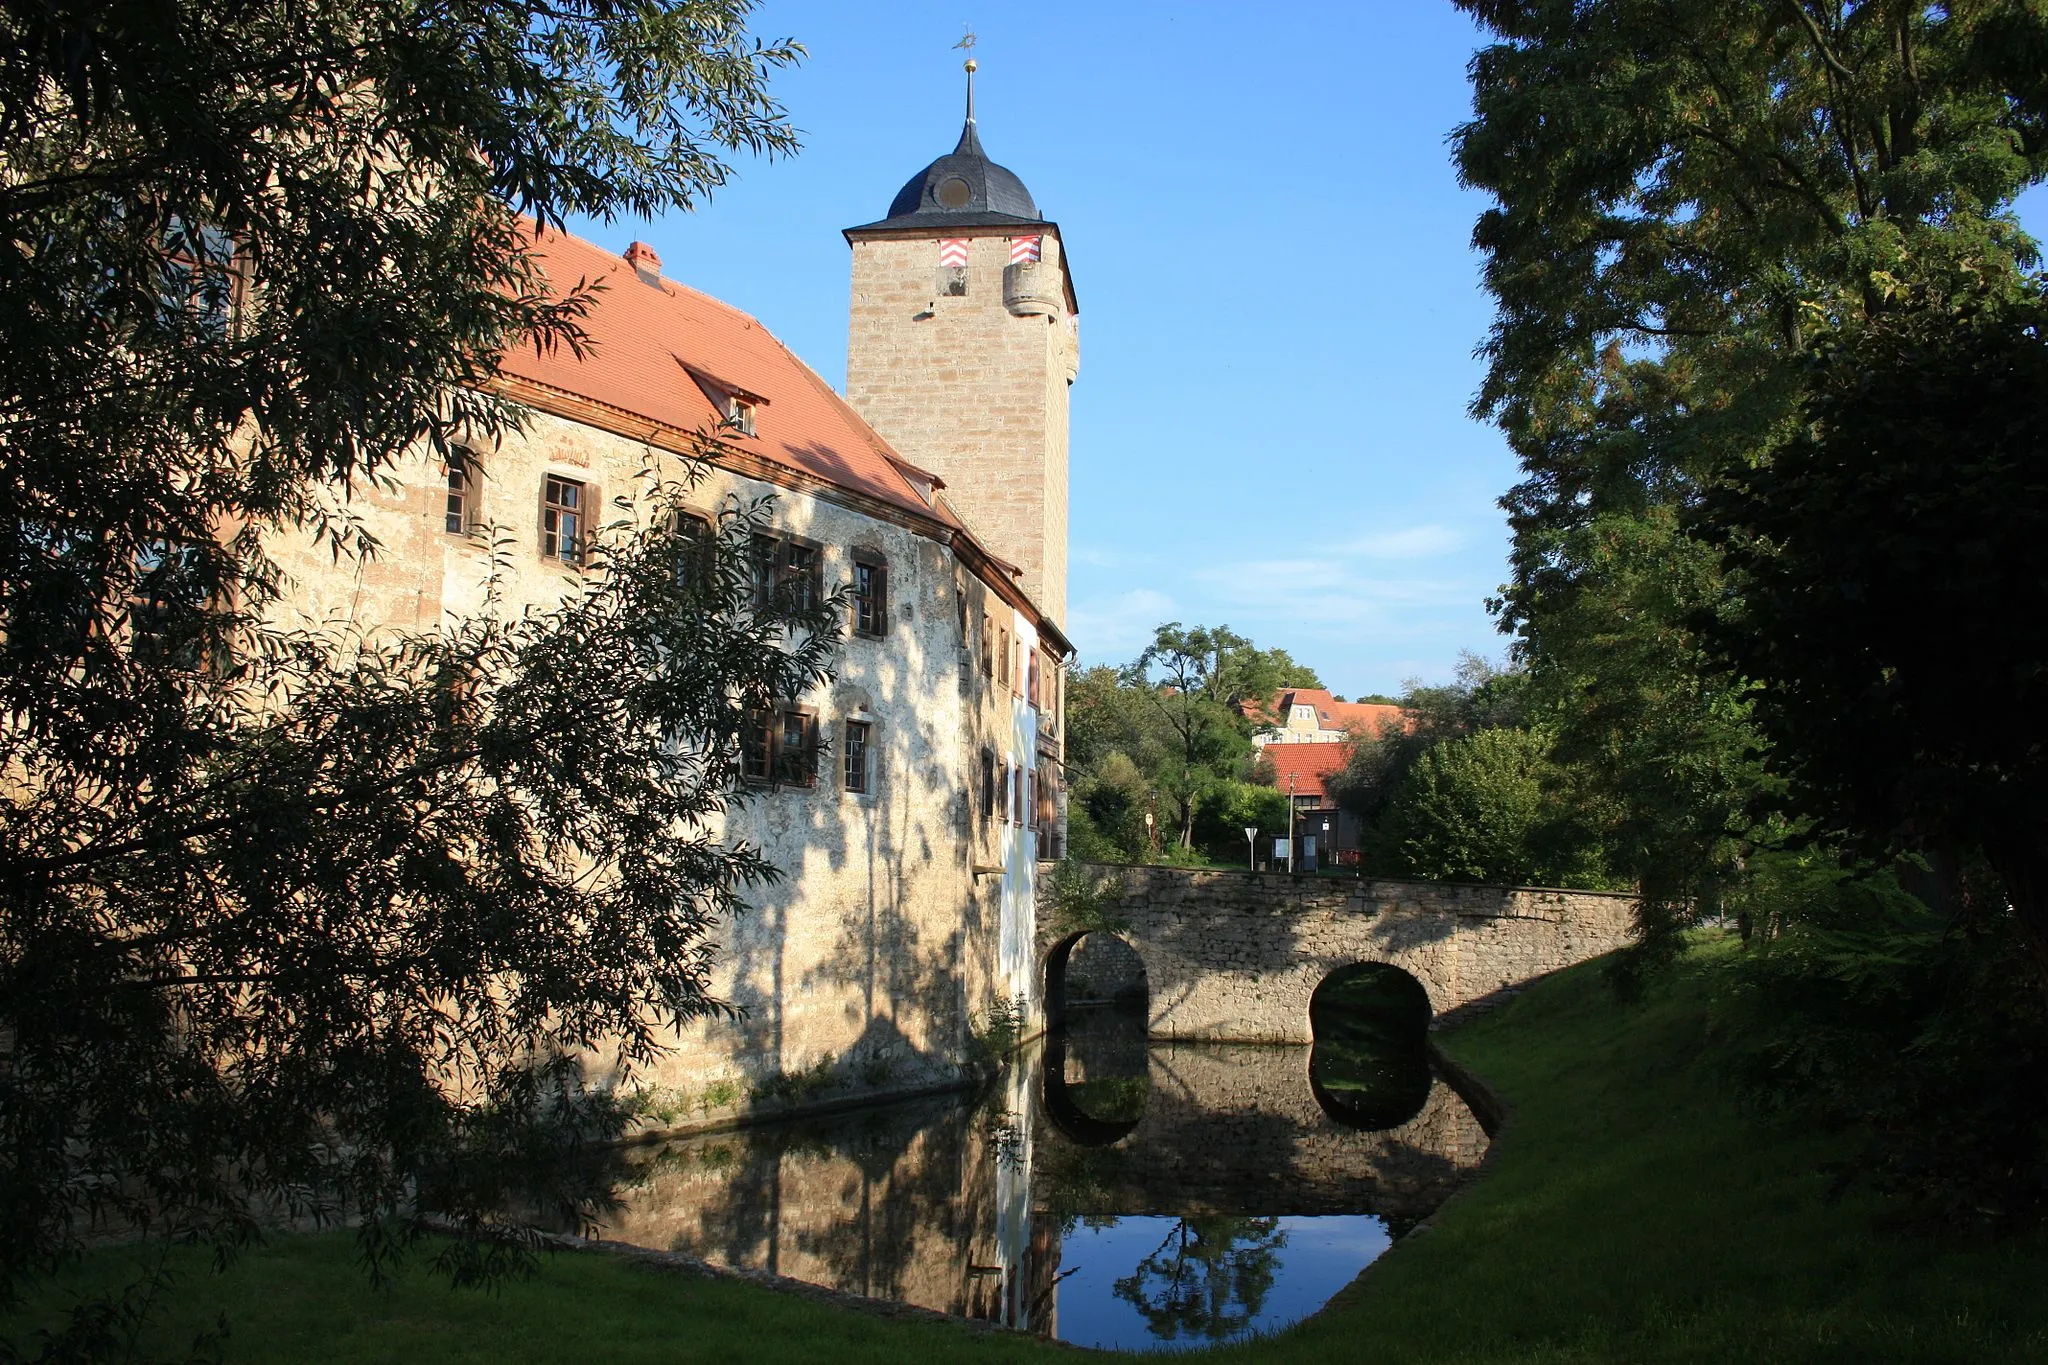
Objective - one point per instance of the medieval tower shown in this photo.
(963, 343)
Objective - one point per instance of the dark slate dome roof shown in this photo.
(964, 181)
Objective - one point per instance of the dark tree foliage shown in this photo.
(296, 919)
(1687, 195)
(1923, 1032)
(1886, 569)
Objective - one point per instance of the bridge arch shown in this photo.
(1111, 970)
(1096, 994)
(1368, 1067)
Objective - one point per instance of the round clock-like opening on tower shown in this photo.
(953, 192)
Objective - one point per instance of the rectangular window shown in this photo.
(740, 412)
(199, 278)
(796, 749)
(766, 553)
(1005, 656)
(461, 513)
(563, 532)
(1033, 686)
(1017, 794)
(989, 796)
(855, 753)
(780, 745)
(757, 747)
(870, 598)
(802, 567)
(167, 604)
(988, 635)
(694, 556)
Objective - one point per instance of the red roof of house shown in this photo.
(645, 341)
(1307, 764)
(1364, 718)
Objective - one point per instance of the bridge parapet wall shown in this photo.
(1235, 956)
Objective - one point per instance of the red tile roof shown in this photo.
(1364, 718)
(645, 339)
(648, 347)
(1307, 764)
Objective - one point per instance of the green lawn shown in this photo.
(1631, 1213)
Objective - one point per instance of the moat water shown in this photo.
(1108, 1192)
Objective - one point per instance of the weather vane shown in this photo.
(967, 44)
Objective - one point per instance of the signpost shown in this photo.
(1251, 841)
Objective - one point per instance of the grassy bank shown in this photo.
(1632, 1212)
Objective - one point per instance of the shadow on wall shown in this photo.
(857, 970)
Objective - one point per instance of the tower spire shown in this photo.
(968, 44)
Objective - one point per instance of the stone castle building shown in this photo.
(937, 489)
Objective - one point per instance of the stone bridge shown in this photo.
(1234, 956)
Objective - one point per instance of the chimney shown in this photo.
(645, 263)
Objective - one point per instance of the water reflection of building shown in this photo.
(967, 1209)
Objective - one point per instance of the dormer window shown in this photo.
(740, 412)
(738, 409)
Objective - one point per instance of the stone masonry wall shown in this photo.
(1235, 956)
(882, 939)
(971, 391)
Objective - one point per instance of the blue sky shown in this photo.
(1279, 303)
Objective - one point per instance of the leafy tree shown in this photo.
(1229, 808)
(1192, 678)
(1882, 566)
(1688, 196)
(1111, 801)
(301, 920)
(1485, 808)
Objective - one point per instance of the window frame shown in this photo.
(873, 605)
(799, 770)
(697, 557)
(551, 512)
(740, 413)
(464, 503)
(856, 757)
(764, 568)
(785, 768)
(809, 575)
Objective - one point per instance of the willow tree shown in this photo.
(1689, 196)
(296, 921)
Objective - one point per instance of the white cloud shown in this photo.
(1411, 542)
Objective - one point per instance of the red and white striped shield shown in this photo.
(953, 253)
(1023, 249)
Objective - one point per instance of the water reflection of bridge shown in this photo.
(964, 1208)
(1235, 1129)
